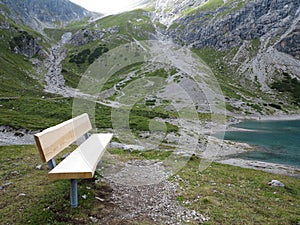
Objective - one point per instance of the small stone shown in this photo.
(84, 196)
(100, 199)
(276, 183)
(5, 185)
(21, 195)
(38, 167)
(93, 219)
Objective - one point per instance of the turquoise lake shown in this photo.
(278, 141)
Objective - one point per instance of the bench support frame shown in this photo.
(51, 164)
(55, 139)
(73, 193)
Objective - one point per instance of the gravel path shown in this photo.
(139, 194)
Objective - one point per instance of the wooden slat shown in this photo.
(53, 140)
(82, 162)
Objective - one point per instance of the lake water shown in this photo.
(279, 141)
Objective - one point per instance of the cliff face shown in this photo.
(40, 13)
(230, 25)
(24, 44)
(252, 44)
(291, 43)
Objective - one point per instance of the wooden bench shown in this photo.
(82, 162)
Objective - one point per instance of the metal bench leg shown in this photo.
(51, 164)
(73, 193)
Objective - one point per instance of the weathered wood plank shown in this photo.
(82, 162)
(53, 140)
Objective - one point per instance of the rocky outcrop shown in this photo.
(24, 44)
(40, 13)
(229, 26)
(85, 36)
(291, 43)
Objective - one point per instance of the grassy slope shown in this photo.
(241, 88)
(227, 194)
(130, 25)
(22, 100)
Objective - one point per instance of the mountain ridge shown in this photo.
(256, 78)
(39, 14)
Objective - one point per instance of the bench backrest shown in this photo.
(53, 140)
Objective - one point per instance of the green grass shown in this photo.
(227, 194)
(45, 201)
(213, 5)
(232, 195)
(129, 26)
(288, 85)
(233, 85)
(34, 113)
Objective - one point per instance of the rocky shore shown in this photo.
(233, 148)
(227, 154)
(11, 136)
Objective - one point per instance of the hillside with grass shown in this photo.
(163, 79)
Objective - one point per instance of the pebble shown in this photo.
(5, 185)
(276, 183)
(38, 167)
(93, 219)
(100, 199)
(156, 200)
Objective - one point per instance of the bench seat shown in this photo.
(82, 162)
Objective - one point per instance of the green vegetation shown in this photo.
(213, 5)
(216, 60)
(125, 155)
(34, 113)
(5, 9)
(18, 41)
(226, 194)
(15, 69)
(87, 55)
(32, 198)
(129, 22)
(232, 195)
(233, 86)
(288, 85)
(117, 30)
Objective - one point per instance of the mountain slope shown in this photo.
(250, 44)
(40, 13)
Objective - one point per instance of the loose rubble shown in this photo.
(154, 200)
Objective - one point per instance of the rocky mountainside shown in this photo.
(256, 42)
(229, 25)
(42, 13)
(252, 48)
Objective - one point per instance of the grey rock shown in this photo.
(39, 167)
(5, 185)
(24, 44)
(276, 183)
(255, 19)
(39, 14)
(93, 219)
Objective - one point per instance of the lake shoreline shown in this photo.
(276, 168)
(10, 136)
(279, 117)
